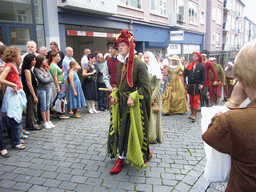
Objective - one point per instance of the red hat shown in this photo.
(192, 63)
(128, 38)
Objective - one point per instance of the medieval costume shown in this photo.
(109, 73)
(216, 90)
(196, 78)
(155, 77)
(174, 98)
(228, 88)
(204, 95)
(128, 132)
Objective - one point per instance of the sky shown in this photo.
(249, 9)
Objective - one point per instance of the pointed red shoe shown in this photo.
(117, 167)
(151, 155)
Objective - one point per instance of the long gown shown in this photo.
(118, 141)
(174, 98)
(155, 126)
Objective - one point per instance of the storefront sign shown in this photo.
(90, 34)
(176, 35)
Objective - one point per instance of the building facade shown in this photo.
(225, 29)
(249, 30)
(165, 27)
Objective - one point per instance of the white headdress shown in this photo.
(153, 65)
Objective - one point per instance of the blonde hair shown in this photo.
(245, 64)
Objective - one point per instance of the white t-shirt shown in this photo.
(84, 61)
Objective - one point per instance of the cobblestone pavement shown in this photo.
(72, 157)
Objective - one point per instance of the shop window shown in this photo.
(38, 11)
(19, 11)
(40, 35)
(192, 13)
(132, 3)
(158, 6)
(19, 37)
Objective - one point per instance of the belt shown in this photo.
(125, 93)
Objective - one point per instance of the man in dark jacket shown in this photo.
(196, 79)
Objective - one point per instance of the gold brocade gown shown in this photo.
(155, 125)
(174, 98)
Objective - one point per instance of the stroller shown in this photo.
(59, 102)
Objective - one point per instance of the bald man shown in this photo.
(84, 59)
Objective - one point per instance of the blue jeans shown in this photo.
(14, 130)
(44, 97)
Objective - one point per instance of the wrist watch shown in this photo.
(234, 103)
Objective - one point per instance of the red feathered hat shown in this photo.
(128, 38)
(192, 63)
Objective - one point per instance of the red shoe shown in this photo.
(149, 157)
(118, 166)
(150, 154)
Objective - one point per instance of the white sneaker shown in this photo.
(47, 125)
(51, 124)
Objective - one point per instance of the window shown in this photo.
(233, 23)
(232, 40)
(202, 17)
(219, 16)
(192, 13)
(213, 38)
(214, 14)
(218, 39)
(132, 3)
(180, 8)
(38, 11)
(228, 39)
(234, 5)
(158, 6)
(230, 20)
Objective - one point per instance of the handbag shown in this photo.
(87, 78)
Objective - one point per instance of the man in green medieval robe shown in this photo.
(128, 133)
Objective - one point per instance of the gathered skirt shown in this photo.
(174, 99)
(90, 90)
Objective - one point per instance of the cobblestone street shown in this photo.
(72, 157)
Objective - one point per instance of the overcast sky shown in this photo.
(250, 10)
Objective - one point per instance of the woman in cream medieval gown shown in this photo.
(155, 76)
(174, 98)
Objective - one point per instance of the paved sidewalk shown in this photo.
(72, 157)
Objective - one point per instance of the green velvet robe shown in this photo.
(118, 142)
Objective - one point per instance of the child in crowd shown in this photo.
(75, 93)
